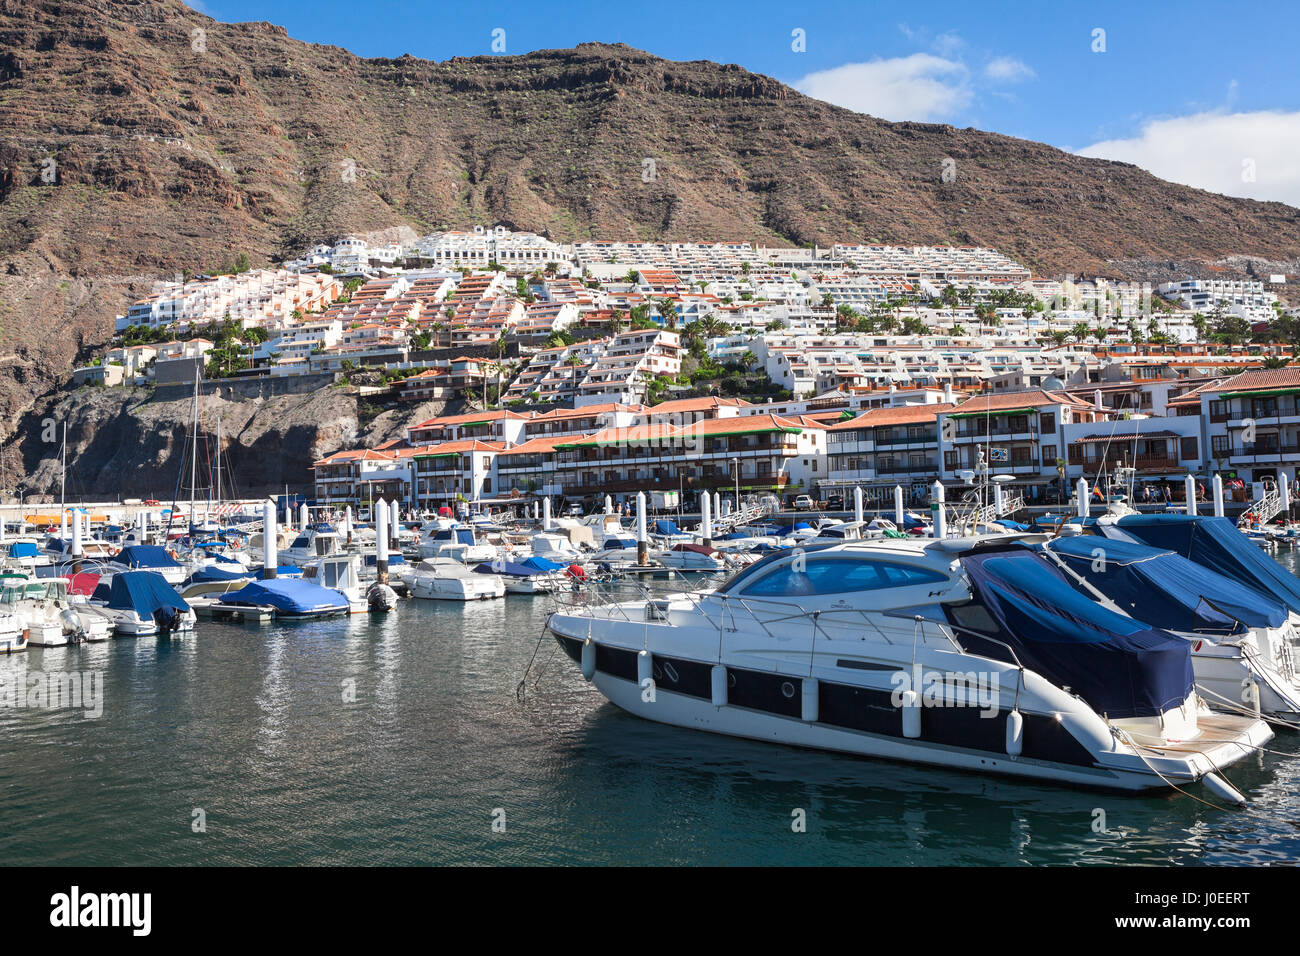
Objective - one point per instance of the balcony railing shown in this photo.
(671, 483)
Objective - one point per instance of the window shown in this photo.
(1188, 449)
(1049, 455)
(1219, 446)
(1047, 423)
(833, 576)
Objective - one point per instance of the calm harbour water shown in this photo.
(250, 725)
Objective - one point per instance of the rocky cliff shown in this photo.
(139, 138)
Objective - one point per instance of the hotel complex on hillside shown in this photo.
(883, 365)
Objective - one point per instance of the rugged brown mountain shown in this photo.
(139, 138)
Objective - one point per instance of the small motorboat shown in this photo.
(288, 598)
(445, 579)
(142, 604)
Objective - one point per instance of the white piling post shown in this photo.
(997, 498)
(347, 522)
(1284, 490)
(381, 541)
(76, 536)
(546, 513)
(304, 516)
(1218, 496)
(63, 525)
(609, 505)
(394, 524)
(938, 510)
(898, 506)
(1189, 486)
(270, 559)
(706, 520)
(642, 549)
(717, 502)
(857, 505)
(1082, 493)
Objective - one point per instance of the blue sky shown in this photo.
(1198, 92)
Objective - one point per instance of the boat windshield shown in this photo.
(789, 575)
(32, 591)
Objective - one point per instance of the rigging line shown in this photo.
(521, 689)
(1227, 702)
(1138, 751)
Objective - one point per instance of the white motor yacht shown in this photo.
(962, 653)
(47, 613)
(445, 579)
(445, 538)
(342, 573)
(13, 636)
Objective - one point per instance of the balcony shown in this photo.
(764, 481)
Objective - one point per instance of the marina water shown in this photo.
(399, 740)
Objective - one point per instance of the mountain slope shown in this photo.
(174, 149)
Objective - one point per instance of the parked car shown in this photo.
(834, 502)
(804, 503)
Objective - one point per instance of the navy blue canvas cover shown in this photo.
(1159, 585)
(1122, 667)
(289, 596)
(143, 592)
(145, 556)
(1214, 543)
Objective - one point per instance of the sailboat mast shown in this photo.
(194, 447)
(218, 460)
(63, 473)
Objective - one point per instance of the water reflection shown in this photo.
(252, 725)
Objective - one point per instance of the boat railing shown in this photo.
(632, 601)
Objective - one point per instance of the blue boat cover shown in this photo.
(512, 568)
(211, 573)
(543, 564)
(1122, 667)
(289, 596)
(665, 526)
(1157, 585)
(281, 571)
(145, 556)
(785, 529)
(1011, 525)
(143, 592)
(1214, 543)
(394, 559)
(23, 549)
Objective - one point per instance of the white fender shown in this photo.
(588, 658)
(644, 668)
(810, 699)
(1223, 790)
(911, 714)
(1015, 733)
(719, 678)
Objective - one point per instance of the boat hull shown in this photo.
(954, 738)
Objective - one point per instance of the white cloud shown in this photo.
(1008, 69)
(1254, 155)
(918, 87)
